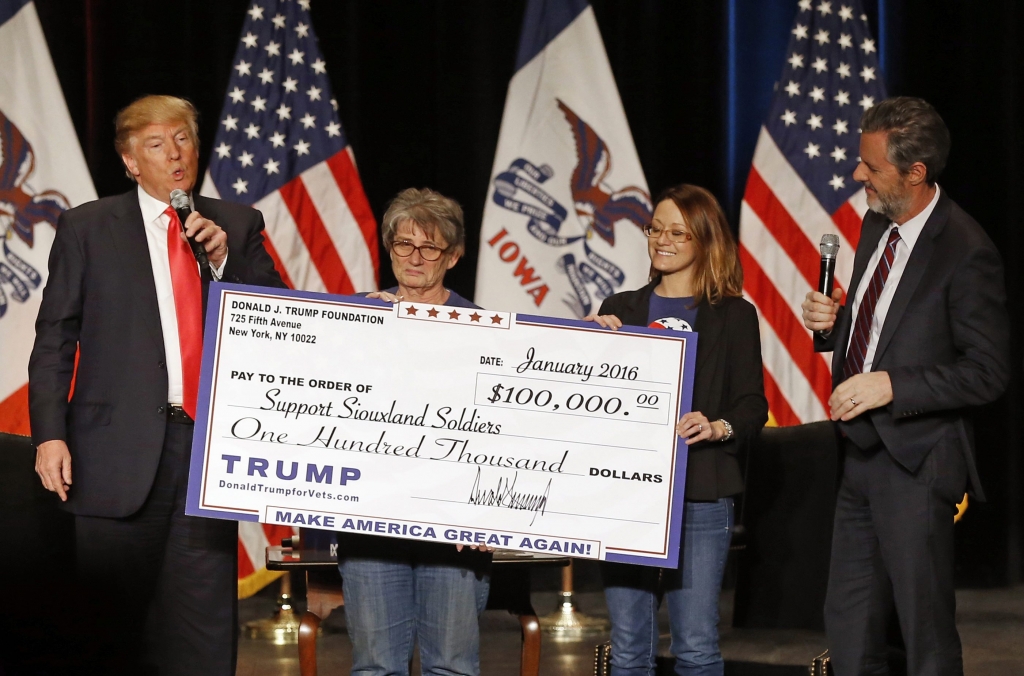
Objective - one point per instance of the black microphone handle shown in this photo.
(198, 250)
(827, 276)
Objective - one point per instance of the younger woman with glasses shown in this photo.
(696, 285)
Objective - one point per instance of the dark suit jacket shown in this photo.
(728, 383)
(101, 297)
(945, 343)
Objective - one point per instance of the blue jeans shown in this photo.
(633, 596)
(409, 592)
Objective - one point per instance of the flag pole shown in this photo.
(567, 623)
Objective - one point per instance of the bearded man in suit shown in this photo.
(923, 338)
(125, 293)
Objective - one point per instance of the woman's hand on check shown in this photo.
(607, 321)
(384, 295)
(482, 548)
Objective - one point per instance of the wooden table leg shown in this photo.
(307, 643)
(529, 664)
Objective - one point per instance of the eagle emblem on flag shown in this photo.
(21, 209)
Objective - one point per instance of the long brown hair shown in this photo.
(718, 273)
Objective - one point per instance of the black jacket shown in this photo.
(101, 297)
(945, 343)
(728, 384)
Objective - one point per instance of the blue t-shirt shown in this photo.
(678, 314)
(454, 299)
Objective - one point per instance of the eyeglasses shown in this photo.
(428, 252)
(675, 235)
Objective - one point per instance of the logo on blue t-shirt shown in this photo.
(673, 323)
(675, 314)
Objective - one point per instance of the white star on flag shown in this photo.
(244, 68)
(789, 117)
(237, 95)
(273, 48)
(272, 167)
(800, 32)
(814, 122)
(842, 98)
(840, 127)
(813, 150)
(277, 140)
(249, 40)
(223, 150)
(279, 21)
(867, 73)
(805, 5)
(259, 103)
(302, 147)
(284, 112)
(845, 13)
(308, 121)
(838, 154)
(313, 93)
(291, 85)
(822, 37)
(230, 123)
(792, 88)
(820, 65)
(240, 186)
(319, 66)
(302, 30)
(256, 13)
(825, 8)
(796, 61)
(296, 56)
(252, 131)
(845, 41)
(817, 94)
(843, 69)
(837, 182)
(333, 129)
(266, 76)
(867, 101)
(246, 159)
(868, 45)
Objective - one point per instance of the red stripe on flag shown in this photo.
(245, 567)
(783, 228)
(278, 263)
(790, 331)
(347, 176)
(14, 413)
(848, 222)
(318, 241)
(778, 404)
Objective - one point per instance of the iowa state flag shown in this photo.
(42, 173)
(562, 227)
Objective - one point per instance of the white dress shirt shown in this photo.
(157, 222)
(909, 233)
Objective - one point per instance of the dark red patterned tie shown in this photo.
(866, 314)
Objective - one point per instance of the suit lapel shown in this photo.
(709, 326)
(129, 235)
(912, 274)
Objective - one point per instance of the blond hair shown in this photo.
(153, 109)
(718, 273)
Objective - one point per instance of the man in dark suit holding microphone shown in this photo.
(923, 337)
(125, 292)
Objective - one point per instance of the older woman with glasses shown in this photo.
(401, 591)
(696, 285)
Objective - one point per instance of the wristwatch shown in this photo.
(728, 429)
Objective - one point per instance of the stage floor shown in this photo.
(991, 623)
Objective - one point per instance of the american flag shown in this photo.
(800, 187)
(281, 149)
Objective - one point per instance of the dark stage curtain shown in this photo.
(421, 86)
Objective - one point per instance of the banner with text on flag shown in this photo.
(280, 148)
(800, 187)
(567, 201)
(42, 173)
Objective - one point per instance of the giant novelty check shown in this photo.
(442, 424)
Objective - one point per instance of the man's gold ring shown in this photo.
(700, 427)
(853, 401)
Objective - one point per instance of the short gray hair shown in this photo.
(431, 211)
(915, 133)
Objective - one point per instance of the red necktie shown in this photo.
(188, 306)
(866, 313)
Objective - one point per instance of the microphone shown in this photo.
(179, 201)
(827, 275)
